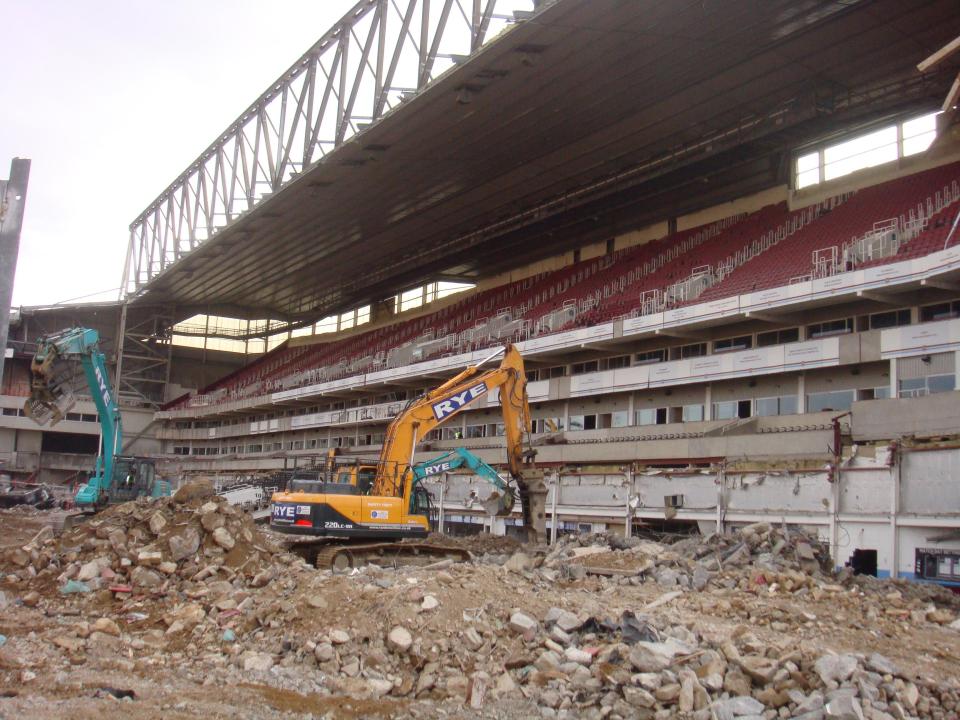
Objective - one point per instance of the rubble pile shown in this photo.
(755, 553)
(148, 546)
(157, 601)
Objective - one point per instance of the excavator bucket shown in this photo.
(51, 390)
(500, 504)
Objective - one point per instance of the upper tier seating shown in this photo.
(770, 247)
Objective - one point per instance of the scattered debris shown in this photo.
(748, 625)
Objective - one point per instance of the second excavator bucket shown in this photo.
(500, 504)
(51, 390)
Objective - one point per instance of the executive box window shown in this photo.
(683, 352)
(650, 356)
(548, 425)
(778, 337)
(651, 416)
(583, 422)
(894, 318)
(875, 393)
(836, 400)
(940, 311)
(730, 409)
(686, 413)
(744, 342)
(930, 385)
(831, 327)
(782, 405)
(583, 368)
(620, 418)
(615, 363)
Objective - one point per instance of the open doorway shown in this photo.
(863, 562)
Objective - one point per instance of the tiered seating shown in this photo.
(728, 253)
(792, 258)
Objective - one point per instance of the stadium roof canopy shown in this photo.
(587, 119)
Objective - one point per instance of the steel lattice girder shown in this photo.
(363, 67)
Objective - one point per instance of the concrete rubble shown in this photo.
(185, 594)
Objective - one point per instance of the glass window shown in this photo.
(619, 418)
(941, 311)
(778, 337)
(837, 400)
(940, 383)
(476, 431)
(894, 318)
(808, 169)
(783, 405)
(867, 150)
(647, 416)
(875, 148)
(743, 342)
(692, 413)
(576, 422)
(767, 407)
(690, 351)
(919, 134)
(651, 356)
(584, 367)
(725, 410)
(831, 327)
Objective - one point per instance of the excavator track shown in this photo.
(344, 557)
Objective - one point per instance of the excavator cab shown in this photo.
(132, 478)
(421, 502)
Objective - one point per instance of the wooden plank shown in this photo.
(942, 54)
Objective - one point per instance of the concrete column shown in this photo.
(443, 488)
(13, 198)
(801, 393)
(721, 498)
(895, 469)
(708, 402)
(632, 405)
(894, 388)
(553, 509)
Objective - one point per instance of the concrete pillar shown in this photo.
(13, 198)
(894, 387)
(801, 394)
(554, 522)
(895, 470)
(708, 402)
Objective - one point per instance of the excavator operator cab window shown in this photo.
(365, 478)
(343, 477)
(420, 501)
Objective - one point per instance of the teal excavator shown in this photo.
(116, 477)
(500, 502)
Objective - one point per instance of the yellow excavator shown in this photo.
(385, 501)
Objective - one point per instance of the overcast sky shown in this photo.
(111, 100)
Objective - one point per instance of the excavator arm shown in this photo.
(500, 502)
(395, 475)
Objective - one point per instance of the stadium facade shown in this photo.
(739, 302)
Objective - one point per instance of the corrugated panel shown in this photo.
(915, 367)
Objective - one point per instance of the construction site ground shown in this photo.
(236, 628)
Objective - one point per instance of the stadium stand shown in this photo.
(888, 222)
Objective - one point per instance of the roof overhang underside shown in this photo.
(591, 119)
